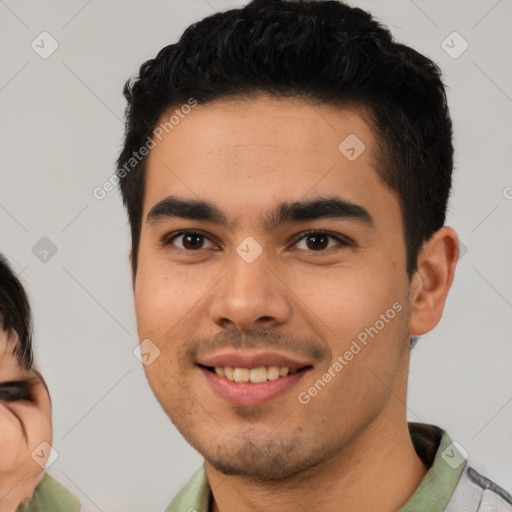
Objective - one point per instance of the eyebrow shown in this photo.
(291, 212)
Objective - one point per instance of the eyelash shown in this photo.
(341, 241)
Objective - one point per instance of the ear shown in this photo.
(433, 279)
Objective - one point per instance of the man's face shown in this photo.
(250, 295)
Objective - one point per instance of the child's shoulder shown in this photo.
(50, 495)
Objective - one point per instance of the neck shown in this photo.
(16, 488)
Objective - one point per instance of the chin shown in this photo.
(270, 460)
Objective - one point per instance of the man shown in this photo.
(286, 170)
(25, 412)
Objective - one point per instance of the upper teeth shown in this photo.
(261, 374)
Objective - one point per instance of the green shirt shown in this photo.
(50, 496)
(432, 444)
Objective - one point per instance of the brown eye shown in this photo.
(318, 241)
(15, 390)
(191, 241)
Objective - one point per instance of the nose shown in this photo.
(250, 296)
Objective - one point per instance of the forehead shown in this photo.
(254, 153)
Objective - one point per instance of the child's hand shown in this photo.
(25, 423)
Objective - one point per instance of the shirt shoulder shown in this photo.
(50, 495)
(476, 493)
(195, 496)
(451, 484)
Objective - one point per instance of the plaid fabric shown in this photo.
(475, 493)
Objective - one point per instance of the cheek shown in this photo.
(157, 300)
(351, 306)
(344, 298)
(166, 308)
(12, 443)
(166, 295)
(167, 378)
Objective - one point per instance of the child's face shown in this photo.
(25, 423)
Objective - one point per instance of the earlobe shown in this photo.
(433, 279)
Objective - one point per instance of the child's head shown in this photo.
(15, 316)
(25, 407)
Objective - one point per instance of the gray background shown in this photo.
(61, 128)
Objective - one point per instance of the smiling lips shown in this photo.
(251, 379)
(254, 375)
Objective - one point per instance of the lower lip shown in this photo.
(245, 393)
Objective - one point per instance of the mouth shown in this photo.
(254, 385)
(254, 375)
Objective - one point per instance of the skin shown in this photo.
(24, 425)
(349, 448)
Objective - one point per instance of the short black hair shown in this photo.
(322, 51)
(15, 314)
